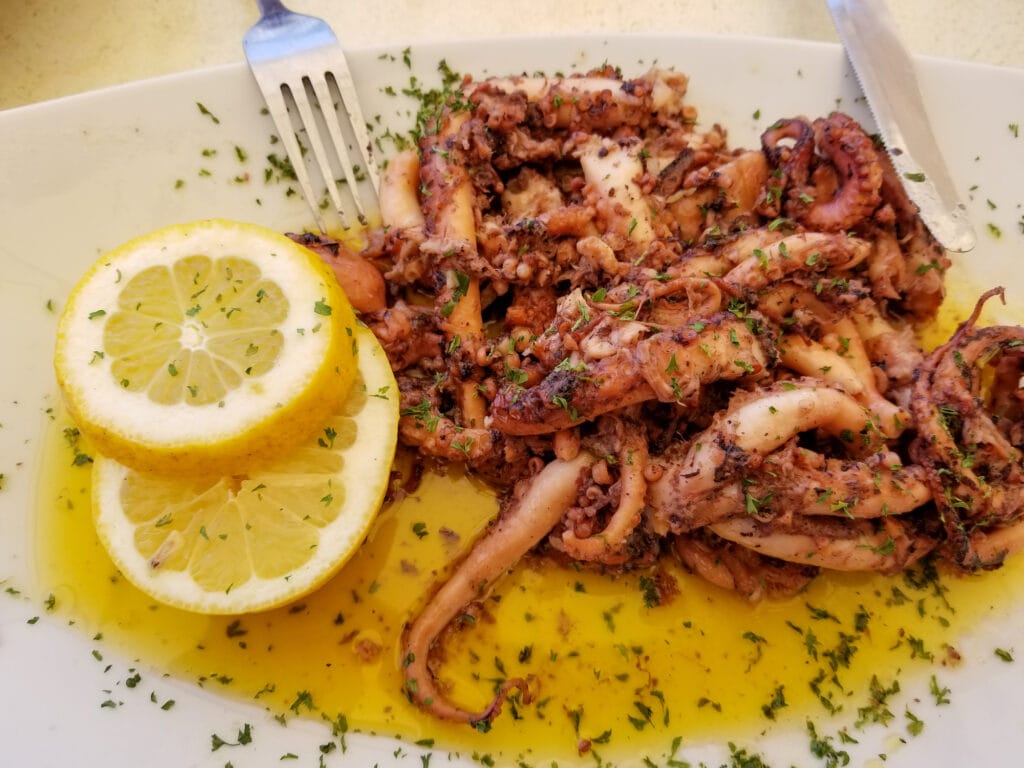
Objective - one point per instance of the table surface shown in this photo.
(52, 48)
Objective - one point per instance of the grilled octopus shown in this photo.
(655, 345)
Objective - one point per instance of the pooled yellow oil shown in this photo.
(962, 294)
(616, 672)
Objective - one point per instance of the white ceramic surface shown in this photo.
(83, 174)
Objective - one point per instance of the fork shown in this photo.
(296, 59)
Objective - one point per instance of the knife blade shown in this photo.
(886, 75)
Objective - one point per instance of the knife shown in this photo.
(886, 75)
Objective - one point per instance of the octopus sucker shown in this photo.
(654, 344)
(608, 545)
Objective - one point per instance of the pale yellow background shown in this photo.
(51, 48)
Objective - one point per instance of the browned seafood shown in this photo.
(363, 285)
(970, 430)
(832, 191)
(840, 545)
(527, 521)
(655, 344)
(740, 568)
(613, 365)
(747, 464)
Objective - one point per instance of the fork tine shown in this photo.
(301, 99)
(323, 96)
(278, 109)
(301, 69)
(350, 101)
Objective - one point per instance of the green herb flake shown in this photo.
(424, 414)
(204, 111)
(649, 591)
(940, 694)
(914, 724)
(302, 699)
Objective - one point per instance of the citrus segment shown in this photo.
(255, 539)
(203, 346)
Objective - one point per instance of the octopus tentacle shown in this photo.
(676, 363)
(853, 155)
(613, 367)
(798, 481)
(741, 569)
(527, 521)
(764, 422)
(804, 252)
(607, 545)
(792, 160)
(444, 439)
(993, 546)
(591, 102)
(570, 396)
(752, 427)
(975, 466)
(362, 282)
(408, 333)
(839, 545)
(847, 366)
(832, 197)
(450, 222)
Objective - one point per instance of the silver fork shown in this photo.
(297, 60)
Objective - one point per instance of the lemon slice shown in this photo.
(250, 541)
(203, 346)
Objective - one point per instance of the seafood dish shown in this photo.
(658, 345)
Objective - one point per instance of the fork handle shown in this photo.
(271, 7)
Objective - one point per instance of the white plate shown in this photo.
(83, 174)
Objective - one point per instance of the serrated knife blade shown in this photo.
(886, 75)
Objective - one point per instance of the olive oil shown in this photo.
(620, 666)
